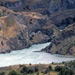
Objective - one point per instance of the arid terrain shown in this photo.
(65, 68)
(24, 23)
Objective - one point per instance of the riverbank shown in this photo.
(40, 69)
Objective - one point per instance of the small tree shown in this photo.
(50, 68)
(24, 69)
(30, 64)
(36, 69)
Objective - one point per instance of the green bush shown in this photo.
(58, 68)
(45, 72)
(30, 71)
(24, 69)
(66, 72)
(13, 72)
(50, 68)
(36, 69)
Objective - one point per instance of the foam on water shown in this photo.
(28, 55)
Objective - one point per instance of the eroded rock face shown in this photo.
(36, 21)
(27, 5)
(53, 7)
(22, 29)
(63, 18)
(72, 50)
(68, 4)
(57, 10)
(14, 5)
(64, 43)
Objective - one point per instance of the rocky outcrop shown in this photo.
(57, 10)
(53, 7)
(63, 18)
(27, 22)
(64, 43)
(68, 4)
(72, 50)
(22, 29)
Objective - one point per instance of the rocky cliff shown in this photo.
(64, 43)
(22, 29)
(27, 22)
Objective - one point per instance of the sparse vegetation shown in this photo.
(66, 68)
(2, 13)
(2, 73)
(13, 72)
(58, 68)
(65, 71)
